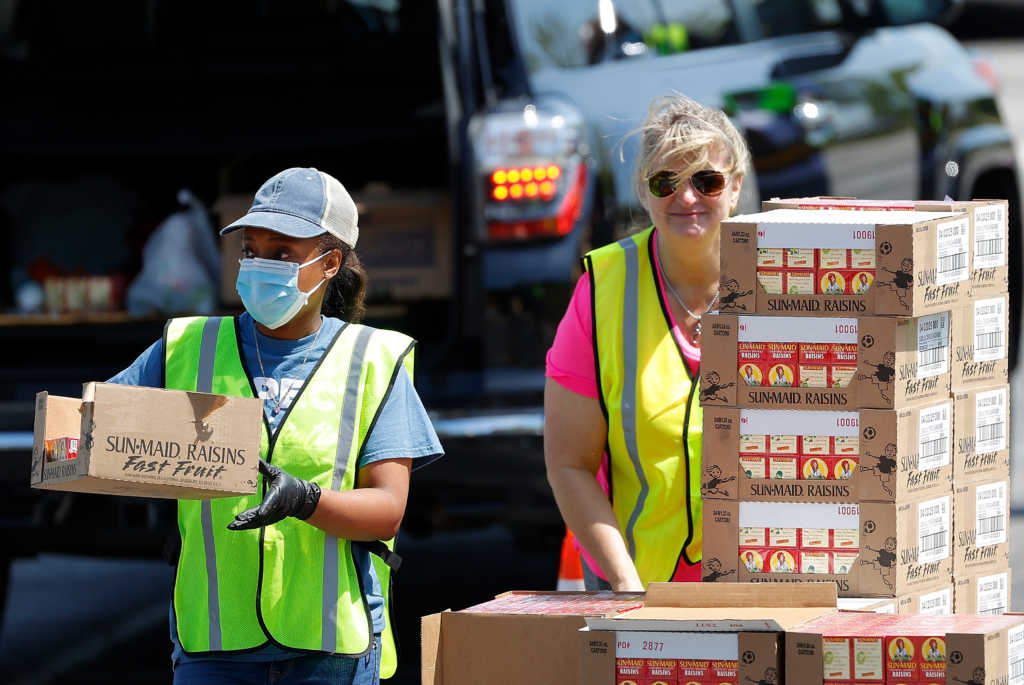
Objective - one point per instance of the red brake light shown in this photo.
(553, 226)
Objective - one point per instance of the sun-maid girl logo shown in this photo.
(901, 649)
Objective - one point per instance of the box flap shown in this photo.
(733, 595)
(430, 643)
(833, 217)
(709, 619)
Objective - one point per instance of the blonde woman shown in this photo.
(622, 433)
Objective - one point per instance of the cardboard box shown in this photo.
(899, 361)
(981, 428)
(989, 231)
(979, 338)
(878, 549)
(896, 453)
(737, 631)
(930, 602)
(519, 637)
(921, 261)
(405, 242)
(149, 442)
(981, 515)
(847, 648)
(986, 593)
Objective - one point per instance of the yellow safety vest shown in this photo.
(289, 583)
(649, 400)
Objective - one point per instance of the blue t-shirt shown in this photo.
(403, 429)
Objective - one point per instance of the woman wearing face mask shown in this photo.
(291, 583)
(622, 420)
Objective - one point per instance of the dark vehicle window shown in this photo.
(577, 33)
(788, 17)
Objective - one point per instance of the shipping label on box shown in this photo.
(906, 263)
(874, 362)
(980, 336)
(929, 602)
(989, 230)
(874, 548)
(149, 442)
(981, 419)
(982, 514)
(986, 593)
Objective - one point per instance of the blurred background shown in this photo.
(483, 143)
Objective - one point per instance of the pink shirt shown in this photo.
(570, 363)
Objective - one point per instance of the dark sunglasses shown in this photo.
(707, 182)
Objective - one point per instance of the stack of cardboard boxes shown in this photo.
(855, 401)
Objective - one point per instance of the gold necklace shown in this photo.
(671, 288)
(256, 338)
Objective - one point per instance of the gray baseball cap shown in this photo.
(302, 203)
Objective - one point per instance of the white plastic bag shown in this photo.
(180, 265)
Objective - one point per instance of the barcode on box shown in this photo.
(933, 530)
(991, 431)
(990, 514)
(990, 417)
(986, 248)
(952, 263)
(990, 329)
(1015, 656)
(934, 433)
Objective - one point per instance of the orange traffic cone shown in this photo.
(570, 568)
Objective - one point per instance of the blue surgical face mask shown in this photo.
(269, 289)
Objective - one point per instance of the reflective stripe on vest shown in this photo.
(649, 400)
(288, 583)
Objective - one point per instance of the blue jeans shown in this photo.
(305, 670)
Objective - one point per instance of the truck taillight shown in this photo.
(531, 167)
(531, 183)
(553, 225)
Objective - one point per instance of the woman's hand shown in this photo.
(575, 433)
(286, 496)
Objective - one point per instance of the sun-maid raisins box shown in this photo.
(850, 648)
(830, 262)
(989, 230)
(872, 362)
(981, 428)
(517, 637)
(880, 455)
(871, 549)
(981, 520)
(147, 442)
(980, 334)
(685, 634)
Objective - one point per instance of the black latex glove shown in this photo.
(286, 496)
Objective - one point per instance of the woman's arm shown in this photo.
(373, 510)
(575, 433)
